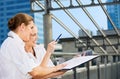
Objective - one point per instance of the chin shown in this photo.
(34, 45)
(26, 40)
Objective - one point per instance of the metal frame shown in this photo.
(47, 7)
(71, 6)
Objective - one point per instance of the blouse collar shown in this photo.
(15, 36)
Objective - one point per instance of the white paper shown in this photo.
(78, 61)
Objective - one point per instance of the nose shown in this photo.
(36, 37)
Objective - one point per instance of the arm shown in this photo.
(41, 72)
(54, 74)
(50, 50)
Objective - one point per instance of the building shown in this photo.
(82, 33)
(114, 12)
(9, 8)
(74, 46)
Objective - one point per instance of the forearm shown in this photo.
(46, 59)
(50, 50)
(41, 72)
(52, 75)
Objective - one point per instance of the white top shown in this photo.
(15, 63)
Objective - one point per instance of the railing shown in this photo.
(103, 67)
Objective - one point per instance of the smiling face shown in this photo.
(27, 31)
(33, 37)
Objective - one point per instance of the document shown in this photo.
(77, 61)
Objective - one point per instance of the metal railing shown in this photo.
(103, 67)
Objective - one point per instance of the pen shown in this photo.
(58, 37)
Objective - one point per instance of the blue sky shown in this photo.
(96, 12)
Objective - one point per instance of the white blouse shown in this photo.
(15, 63)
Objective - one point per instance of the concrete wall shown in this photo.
(72, 45)
(69, 47)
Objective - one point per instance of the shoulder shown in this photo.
(8, 43)
(41, 46)
(39, 49)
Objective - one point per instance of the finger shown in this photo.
(60, 66)
(54, 42)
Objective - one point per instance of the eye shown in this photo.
(32, 27)
(34, 34)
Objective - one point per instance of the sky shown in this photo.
(78, 13)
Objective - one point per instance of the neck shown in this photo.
(29, 49)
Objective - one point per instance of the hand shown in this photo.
(41, 72)
(55, 74)
(77, 55)
(51, 47)
(50, 50)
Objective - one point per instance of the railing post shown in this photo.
(105, 66)
(116, 61)
(74, 73)
(98, 67)
(88, 70)
(112, 77)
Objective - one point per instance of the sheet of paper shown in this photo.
(78, 61)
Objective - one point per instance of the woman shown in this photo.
(15, 63)
(38, 52)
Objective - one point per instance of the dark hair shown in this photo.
(18, 19)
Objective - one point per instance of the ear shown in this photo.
(22, 27)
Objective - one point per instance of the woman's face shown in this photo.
(33, 37)
(28, 31)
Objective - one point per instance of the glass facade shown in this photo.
(9, 8)
(114, 12)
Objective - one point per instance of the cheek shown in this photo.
(29, 30)
(28, 36)
(34, 41)
(29, 33)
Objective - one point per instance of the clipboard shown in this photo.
(77, 61)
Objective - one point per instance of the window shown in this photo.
(1, 9)
(1, 4)
(1, 36)
(2, 31)
(23, 6)
(22, 1)
(1, 25)
(10, 8)
(1, 14)
(1, 20)
(10, 2)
